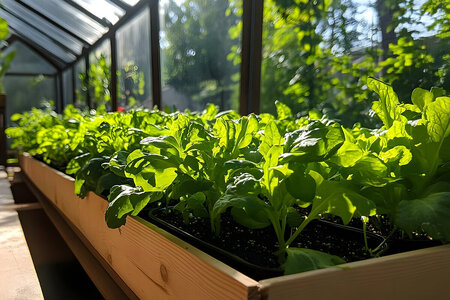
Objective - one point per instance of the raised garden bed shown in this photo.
(157, 265)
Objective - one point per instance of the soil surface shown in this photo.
(398, 241)
(257, 246)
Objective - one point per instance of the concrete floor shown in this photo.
(59, 273)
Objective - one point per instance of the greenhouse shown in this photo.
(224, 149)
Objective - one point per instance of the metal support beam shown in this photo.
(80, 38)
(113, 83)
(29, 74)
(74, 93)
(131, 13)
(251, 56)
(121, 4)
(103, 22)
(155, 53)
(56, 98)
(61, 91)
(87, 79)
(33, 26)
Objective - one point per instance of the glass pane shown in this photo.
(67, 87)
(35, 36)
(133, 61)
(19, 89)
(100, 75)
(27, 61)
(102, 9)
(80, 87)
(69, 17)
(319, 54)
(44, 26)
(200, 57)
(130, 2)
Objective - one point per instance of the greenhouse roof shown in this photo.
(61, 30)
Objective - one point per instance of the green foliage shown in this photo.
(430, 214)
(318, 54)
(98, 81)
(302, 260)
(4, 30)
(5, 60)
(261, 168)
(197, 43)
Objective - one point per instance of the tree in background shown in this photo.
(316, 54)
(418, 62)
(307, 60)
(197, 43)
(313, 56)
(97, 82)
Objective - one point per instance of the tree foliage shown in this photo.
(196, 44)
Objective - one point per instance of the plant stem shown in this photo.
(366, 244)
(278, 231)
(386, 239)
(299, 229)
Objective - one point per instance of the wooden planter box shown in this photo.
(157, 265)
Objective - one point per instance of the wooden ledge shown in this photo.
(105, 279)
(21, 207)
(18, 278)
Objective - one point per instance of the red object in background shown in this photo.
(120, 109)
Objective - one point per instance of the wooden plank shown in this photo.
(21, 207)
(18, 278)
(420, 274)
(156, 264)
(153, 263)
(101, 278)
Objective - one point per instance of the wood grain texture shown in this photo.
(420, 274)
(105, 283)
(157, 265)
(153, 263)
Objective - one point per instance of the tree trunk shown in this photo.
(385, 13)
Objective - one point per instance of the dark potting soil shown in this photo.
(398, 241)
(257, 246)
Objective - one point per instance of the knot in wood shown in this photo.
(164, 274)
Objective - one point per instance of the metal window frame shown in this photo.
(27, 23)
(38, 22)
(155, 53)
(132, 12)
(113, 70)
(251, 53)
(47, 56)
(103, 22)
(251, 57)
(52, 22)
(89, 34)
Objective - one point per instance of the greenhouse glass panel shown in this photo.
(80, 86)
(36, 37)
(317, 55)
(130, 2)
(102, 9)
(133, 61)
(25, 92)
(67, 87)
(27, 61)
(44, 26)
(200, 56)
(69, 17)
(100, 74)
